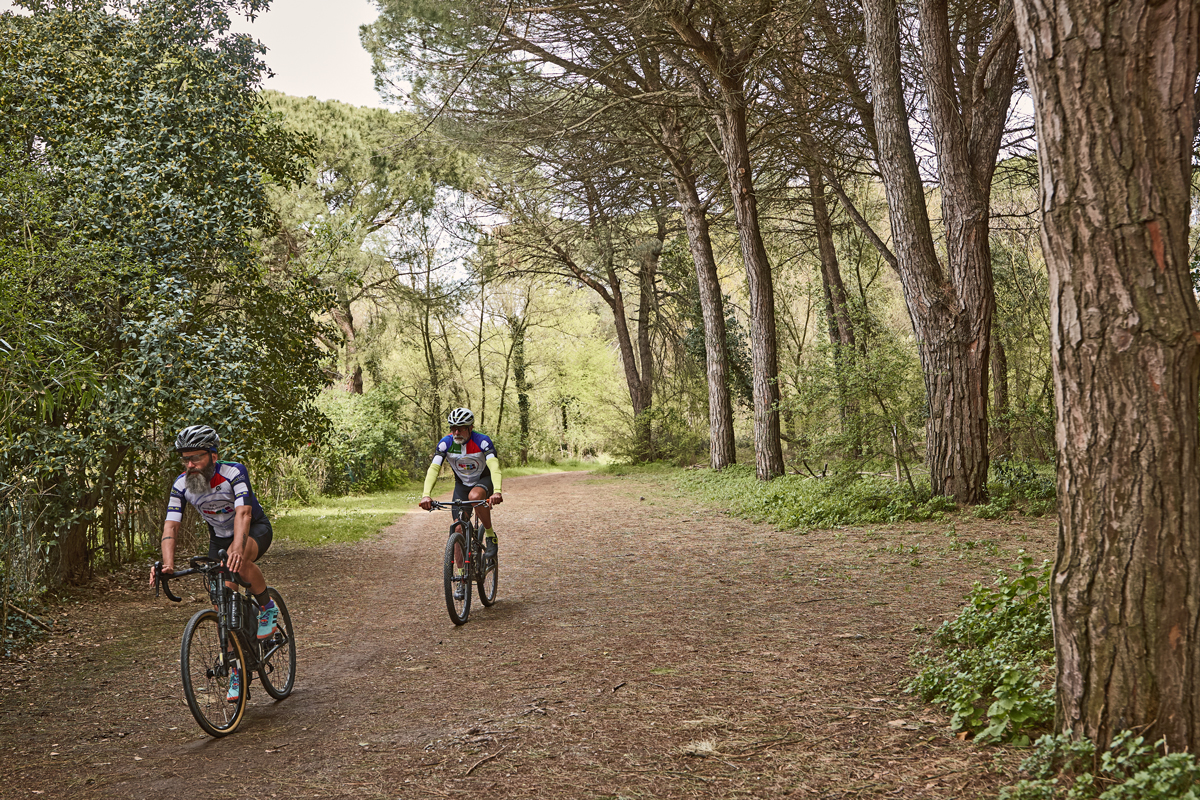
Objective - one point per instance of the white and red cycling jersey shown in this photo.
(469, 459)
(228, 489)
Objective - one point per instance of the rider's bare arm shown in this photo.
(170, 529)
(241, 530)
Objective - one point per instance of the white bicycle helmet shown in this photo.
(197, 437)
(461, 416)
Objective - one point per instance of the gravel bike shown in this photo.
(464, 562)
(222, 640)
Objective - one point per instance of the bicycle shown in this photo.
(463, 562)
(221, 640)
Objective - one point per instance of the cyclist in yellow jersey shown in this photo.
(476, 467)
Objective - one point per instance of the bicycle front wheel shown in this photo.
(456, 577)
(277, 669)
(488, 576)
(207, 671)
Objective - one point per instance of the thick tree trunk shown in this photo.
(764, 357)
(722, 452)
(951, 313)
(344, 318)
(1113, 92)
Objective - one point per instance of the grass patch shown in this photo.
(354, 517)
(345, 519)
(656, 468)
(547, 467)
(798, 501)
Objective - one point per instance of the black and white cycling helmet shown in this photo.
(197, 437)
(461, 416)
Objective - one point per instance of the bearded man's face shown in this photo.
(201, 465)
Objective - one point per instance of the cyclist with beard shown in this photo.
(476, 469)
(237, 524)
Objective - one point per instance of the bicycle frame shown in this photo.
(232, 606)
(463, 563)
(221, 649)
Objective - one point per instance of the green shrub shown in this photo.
(998, 507)
(369, 449)
(797, 501)
(990, 667)
(1064, 768)
(660, 434)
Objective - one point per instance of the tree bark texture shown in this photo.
(1113, 93)
(728, 64)
(951, 313)
(839, 318)
(722, 452)
(764, 356)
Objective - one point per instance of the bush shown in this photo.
(369, 449)
(992, 663)
(797, 501)
(660, 434)
(1067, 768)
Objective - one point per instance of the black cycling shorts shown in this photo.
(259, 531)
(463, 492)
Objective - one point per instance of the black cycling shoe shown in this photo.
(492, 548)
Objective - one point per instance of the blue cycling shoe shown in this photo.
(266, 620)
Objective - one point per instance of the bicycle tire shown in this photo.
(206, 668)
(488, 574)
(455, 574)
(275, 680)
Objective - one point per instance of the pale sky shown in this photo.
(313, 48)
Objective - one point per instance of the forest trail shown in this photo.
(641, 647)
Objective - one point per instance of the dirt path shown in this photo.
(640, 648)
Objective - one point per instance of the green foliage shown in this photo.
(660, 434)
(1065, 768)
(1021, 326)
(991, 664)
(858, 405)
(1021, 480)
(369, 448)
(19, 632)
(795, 501)
(147, 112)
(134, 153)
(1018, 485)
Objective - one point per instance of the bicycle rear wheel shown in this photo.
(456, 578)
(277, 670)
(207, 670)
(488, 575)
